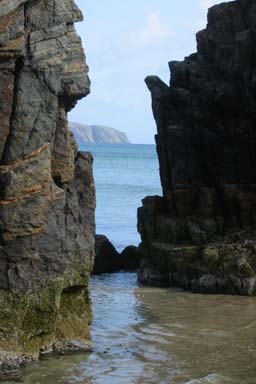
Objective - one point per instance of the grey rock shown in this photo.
(47, 194)
(107, 259)
(197, 234)
(130, 258)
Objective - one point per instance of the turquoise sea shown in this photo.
(124, 175)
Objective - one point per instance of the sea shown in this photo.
(148, 335)
(124, 174)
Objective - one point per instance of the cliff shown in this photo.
(201, 234)
(97, 134)
(47, 193)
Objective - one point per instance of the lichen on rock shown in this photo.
(201, 234)
(47, 196)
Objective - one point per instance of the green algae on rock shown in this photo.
(201, 234)
(47, 196)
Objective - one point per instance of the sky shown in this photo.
(125, 41)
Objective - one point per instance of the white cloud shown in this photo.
(155, 30)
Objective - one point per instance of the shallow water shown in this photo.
(159, 336)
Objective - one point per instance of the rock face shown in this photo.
(97, 134)
(201, 234)
(47, 192)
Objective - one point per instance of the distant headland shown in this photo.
(97, 134)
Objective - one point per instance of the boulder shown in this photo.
(130, 258)
(107, 259)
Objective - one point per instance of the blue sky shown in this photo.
(124, 42)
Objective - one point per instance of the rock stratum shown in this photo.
(97, 134)
(201, 235)
(47, 192)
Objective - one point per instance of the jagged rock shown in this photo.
(130, 258)
(197, 234)
(107, 259)
(47, 197)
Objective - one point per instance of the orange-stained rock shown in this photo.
(47, 196)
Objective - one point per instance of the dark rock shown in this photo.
(130, 258)
(107, 259)
(197, 234)
(47, 196)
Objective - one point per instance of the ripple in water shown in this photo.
(159, 336)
